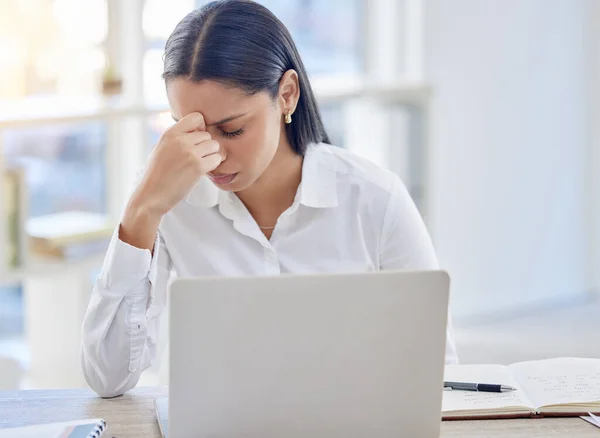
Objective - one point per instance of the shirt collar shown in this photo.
(318, 188)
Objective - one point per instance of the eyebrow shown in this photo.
(220, 122)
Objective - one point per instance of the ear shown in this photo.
(289, 92)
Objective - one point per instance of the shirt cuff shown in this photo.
(125, 265)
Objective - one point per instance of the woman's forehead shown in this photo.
(213, 99)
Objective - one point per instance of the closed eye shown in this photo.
(232, 134)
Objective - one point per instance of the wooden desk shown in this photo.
(132, 415)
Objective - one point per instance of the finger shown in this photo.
(197, 137)
(191, 122)
(206, 148)
(211, 162)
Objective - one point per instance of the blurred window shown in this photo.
(51, 48)
(65, 166)
(52, 54)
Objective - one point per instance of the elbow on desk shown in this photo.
(109, 384)
(106, 387)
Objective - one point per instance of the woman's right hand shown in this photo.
(184, 153)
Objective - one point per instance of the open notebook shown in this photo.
(554, 387)
(88, 428)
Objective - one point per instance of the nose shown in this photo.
(222, 152)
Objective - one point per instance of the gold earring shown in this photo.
(288, 117)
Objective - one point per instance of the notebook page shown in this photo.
(471, 400)
(559, 381)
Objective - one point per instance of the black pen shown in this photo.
(483, 387)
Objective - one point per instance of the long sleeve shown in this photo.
(120, 328)
(406, 244)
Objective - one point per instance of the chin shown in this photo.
(238, 187)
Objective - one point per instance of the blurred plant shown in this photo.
(112, 83)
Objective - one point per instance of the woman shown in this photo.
(244, 183)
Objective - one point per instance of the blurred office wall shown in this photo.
(509, 150)
(592, 118)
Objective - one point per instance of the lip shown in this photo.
(222, 179)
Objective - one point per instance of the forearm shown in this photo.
(121, 323)
(139, 224)
(115, 342)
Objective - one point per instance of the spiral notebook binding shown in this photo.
(97, 432)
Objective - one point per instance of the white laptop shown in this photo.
(336, 356)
